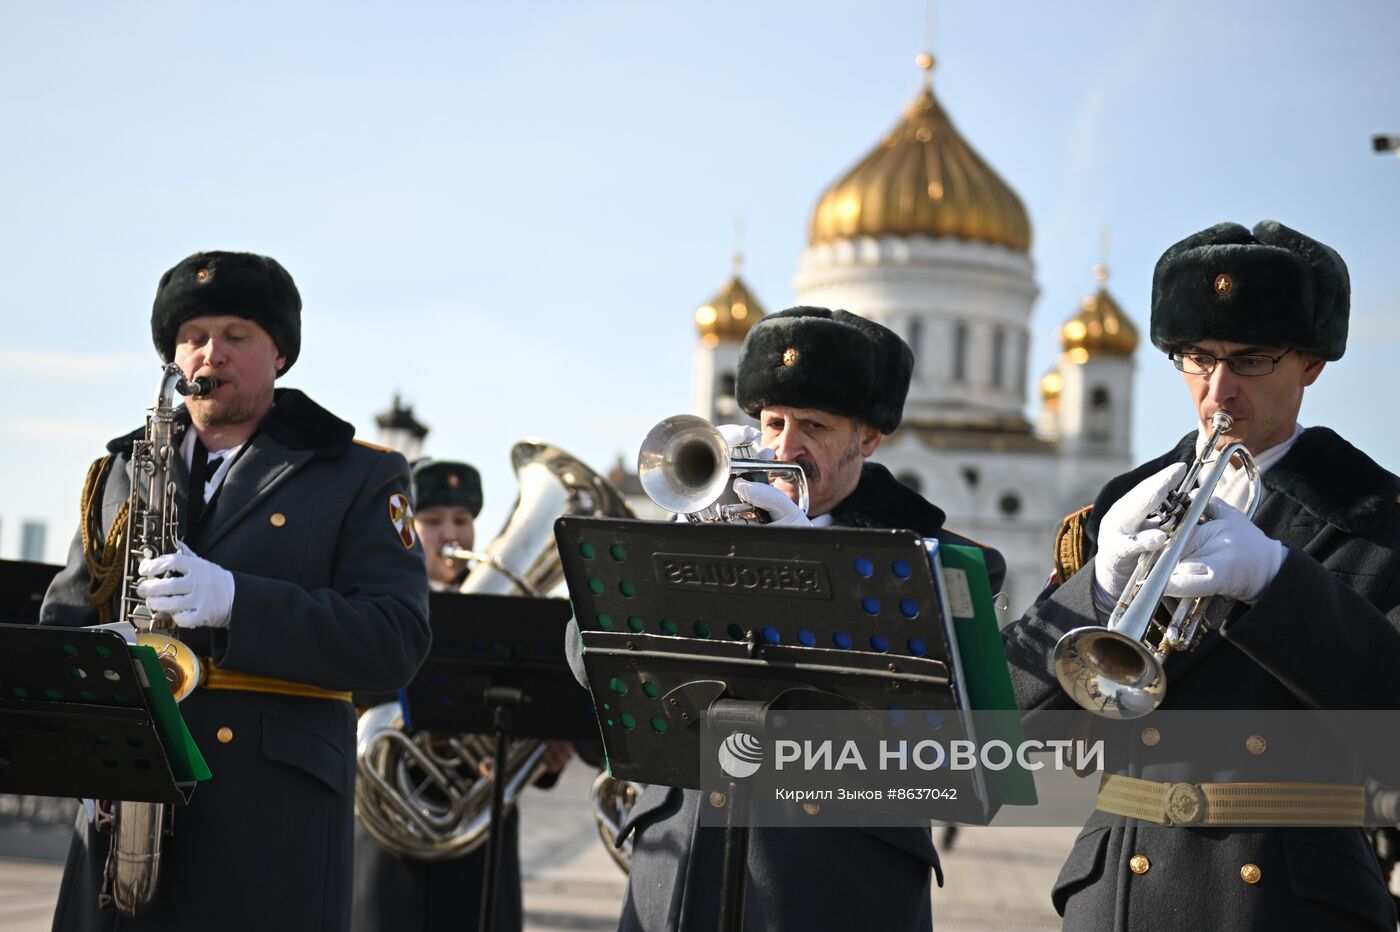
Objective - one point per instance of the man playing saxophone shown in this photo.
(1304, 615)
(298, 578)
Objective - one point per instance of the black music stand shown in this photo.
(497, 666)
(679, 621)
(22, 588)
(78, 717)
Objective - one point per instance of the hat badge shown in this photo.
(453, 481)
(203, 275)
(789, 356)
(1223, 284)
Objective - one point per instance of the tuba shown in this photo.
(132, 870)
(428, 796)
(1113, 670)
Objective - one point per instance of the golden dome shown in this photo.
(1051, 384)
(923, 179)
(730, 314)
(1099, 327)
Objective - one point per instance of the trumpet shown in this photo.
(687, 468)
(1112, 670)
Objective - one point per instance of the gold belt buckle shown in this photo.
(1185, 804)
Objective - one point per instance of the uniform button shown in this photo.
(1250, 873)
(278, 519)
(717, 799)
(1255, 744)
(811, 808)
(224, 734)
(1139, 864)
(1150, 737)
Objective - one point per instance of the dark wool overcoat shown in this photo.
(327, 591)
(1323, 635)
(839, 878)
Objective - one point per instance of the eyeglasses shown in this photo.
(1249, 365)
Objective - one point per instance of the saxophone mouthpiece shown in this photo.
(200, 387)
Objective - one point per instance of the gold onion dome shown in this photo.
(731, 313)
(1100, 327)
(923, 179)
(1051, 385)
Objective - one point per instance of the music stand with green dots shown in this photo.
(84, 714)
(681, 621)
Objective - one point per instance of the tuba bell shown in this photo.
(1113, 670)
(428, 796)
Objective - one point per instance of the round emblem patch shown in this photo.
(1223, 284)
(789, 356)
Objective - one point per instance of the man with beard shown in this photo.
(298, 579)
(825, 387)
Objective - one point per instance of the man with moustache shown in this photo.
(298, 579)
(825, 387)
(1306, 615)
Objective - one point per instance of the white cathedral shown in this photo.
(925, 238)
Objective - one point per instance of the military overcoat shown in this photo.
(1323, 635)
(835, 878)
(329, 590)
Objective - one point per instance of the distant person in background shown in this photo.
(401, 894)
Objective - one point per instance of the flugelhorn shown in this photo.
(1112, 670)
(687, 468)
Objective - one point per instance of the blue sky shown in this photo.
(509, 212)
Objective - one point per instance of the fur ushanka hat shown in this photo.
(237, 284)
(446, 484)
(810, 357)
(1269, 287)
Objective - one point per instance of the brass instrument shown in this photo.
(687, 468)
(1112, 670)
(132, 870)
(428, 796)
(613, 799)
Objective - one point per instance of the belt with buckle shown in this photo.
(215, 678)
(1240, 804)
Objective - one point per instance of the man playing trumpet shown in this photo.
(1305, 614)
(825, 387)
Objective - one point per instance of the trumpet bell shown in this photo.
(683, 464)
(1108, 673)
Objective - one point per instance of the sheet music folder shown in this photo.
(486, 641)
(673, 616)
(84, 714)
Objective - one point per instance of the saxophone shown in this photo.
(133, 859)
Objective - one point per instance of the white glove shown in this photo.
(738, 434)
(1229, 556)
(1124, 535)
(190, 589)
(781, 510)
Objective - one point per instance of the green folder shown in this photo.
(186, 763)
(985, 673)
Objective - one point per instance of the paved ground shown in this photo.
(997, 879)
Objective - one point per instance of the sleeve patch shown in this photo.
(401, 515)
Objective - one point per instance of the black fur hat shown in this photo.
(446, 484)
(1270, 287)
(240, 284)
(810, 357)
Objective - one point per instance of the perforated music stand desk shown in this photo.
(76, 720)
(676, 618)
(497, 666)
